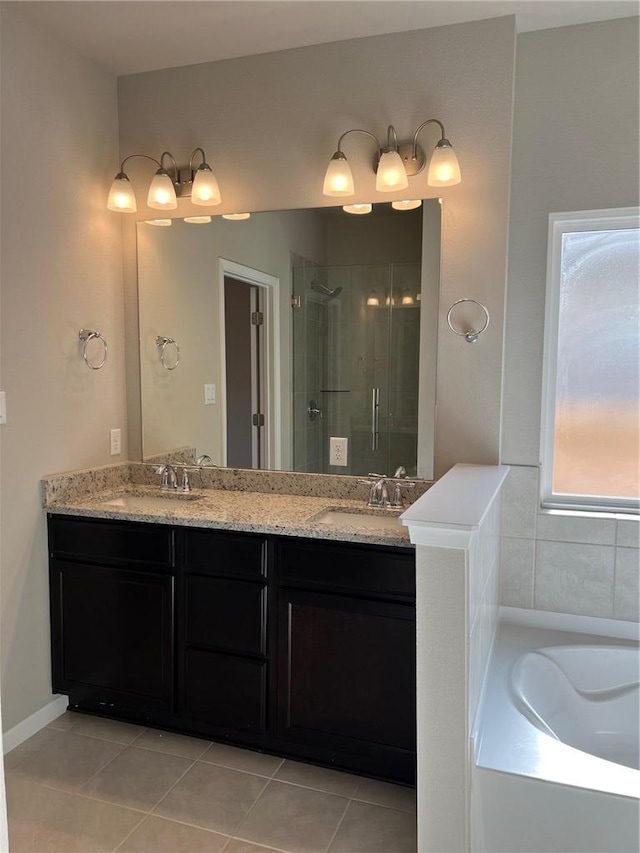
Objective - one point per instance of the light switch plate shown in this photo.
(116, 442)
(209, 395)
(3, 407)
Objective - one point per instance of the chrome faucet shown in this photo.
(169, 477)
(379, 491)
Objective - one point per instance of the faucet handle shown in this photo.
(186, 485)
(397, 491)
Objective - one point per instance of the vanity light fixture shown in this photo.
(373, 299)
(406, 204)
(407, 298)
(236, 217)
(197, 220)
(394, 163)
(163, 223)
(358, 209)
(168, 184)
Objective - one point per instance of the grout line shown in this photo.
(179, 779)
(335, 832)
(252, 807)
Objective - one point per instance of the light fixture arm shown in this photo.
(414, 150)
(357, 130)
(193, 154)
(175, 165)
(133, 156)
(391, 132)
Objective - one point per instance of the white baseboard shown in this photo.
(24, 730)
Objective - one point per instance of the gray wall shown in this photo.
(61, 270)
(575, 147)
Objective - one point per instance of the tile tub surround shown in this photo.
(580, 563)
(266, 511)
(137, 790)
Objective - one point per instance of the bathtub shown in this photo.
(555, 744)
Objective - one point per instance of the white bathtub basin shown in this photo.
(585, 696)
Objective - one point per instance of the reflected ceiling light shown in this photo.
(164, 223)
(394, 163)
(236, 216)
(197, 220)
(373, 299)
(407, 298)
(167, 185)
(406, 204)
(358, 209)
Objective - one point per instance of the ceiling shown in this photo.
(132, 36)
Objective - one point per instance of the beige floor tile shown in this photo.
(159, 835)
(63, 722)
(43, 820)
(241, 759)
(66, 760)
(99, 727)
(28, 747)
(375, 829)
(386, 794)
(138, 778)
(293, 819)
(238, 846)
(172, 743)
(212, 797)
(319, 778)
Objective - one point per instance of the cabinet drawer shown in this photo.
(225, 614)
(230, 554)
(343, 567)
(96, 541)
(225, 691)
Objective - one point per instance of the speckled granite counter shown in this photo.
(268, 510)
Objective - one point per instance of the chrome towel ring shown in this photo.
(162, 344)
(471, 335)
(87, 335)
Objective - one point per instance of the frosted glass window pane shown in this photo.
(596, 441)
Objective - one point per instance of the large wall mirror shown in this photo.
(297, 340)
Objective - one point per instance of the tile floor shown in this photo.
(85, 784)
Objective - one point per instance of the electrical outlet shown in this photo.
(209, 395)
(338, 451)
(3, 407)
(116, 442)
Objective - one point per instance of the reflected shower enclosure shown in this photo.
(356, 342)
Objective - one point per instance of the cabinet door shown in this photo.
(346, 672)
(112, 632)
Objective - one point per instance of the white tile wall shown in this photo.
(566, 562)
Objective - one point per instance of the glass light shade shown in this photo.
(391, 174)
(406, 204)
(198, 220)
(373, 299)
(236, 216)
(121, 195)
(162, 223)
(407, 298)
(162, 194)
(444, 169)
(205, 189)
(358, 209)
(338, 180)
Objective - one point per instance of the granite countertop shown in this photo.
(225, 509)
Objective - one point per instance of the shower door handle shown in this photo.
(375, 418)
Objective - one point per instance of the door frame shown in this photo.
(270, 286)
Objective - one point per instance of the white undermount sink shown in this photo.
(380, 520)
(144, 502)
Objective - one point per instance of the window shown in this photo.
(591, 385)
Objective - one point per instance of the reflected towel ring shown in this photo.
(162, 344)
(471, 336)
(87, 335)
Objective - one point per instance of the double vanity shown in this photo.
(258, 609)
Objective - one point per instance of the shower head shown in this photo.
(330, 294)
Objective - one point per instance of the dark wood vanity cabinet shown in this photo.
(301, 647)
(112, 590)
